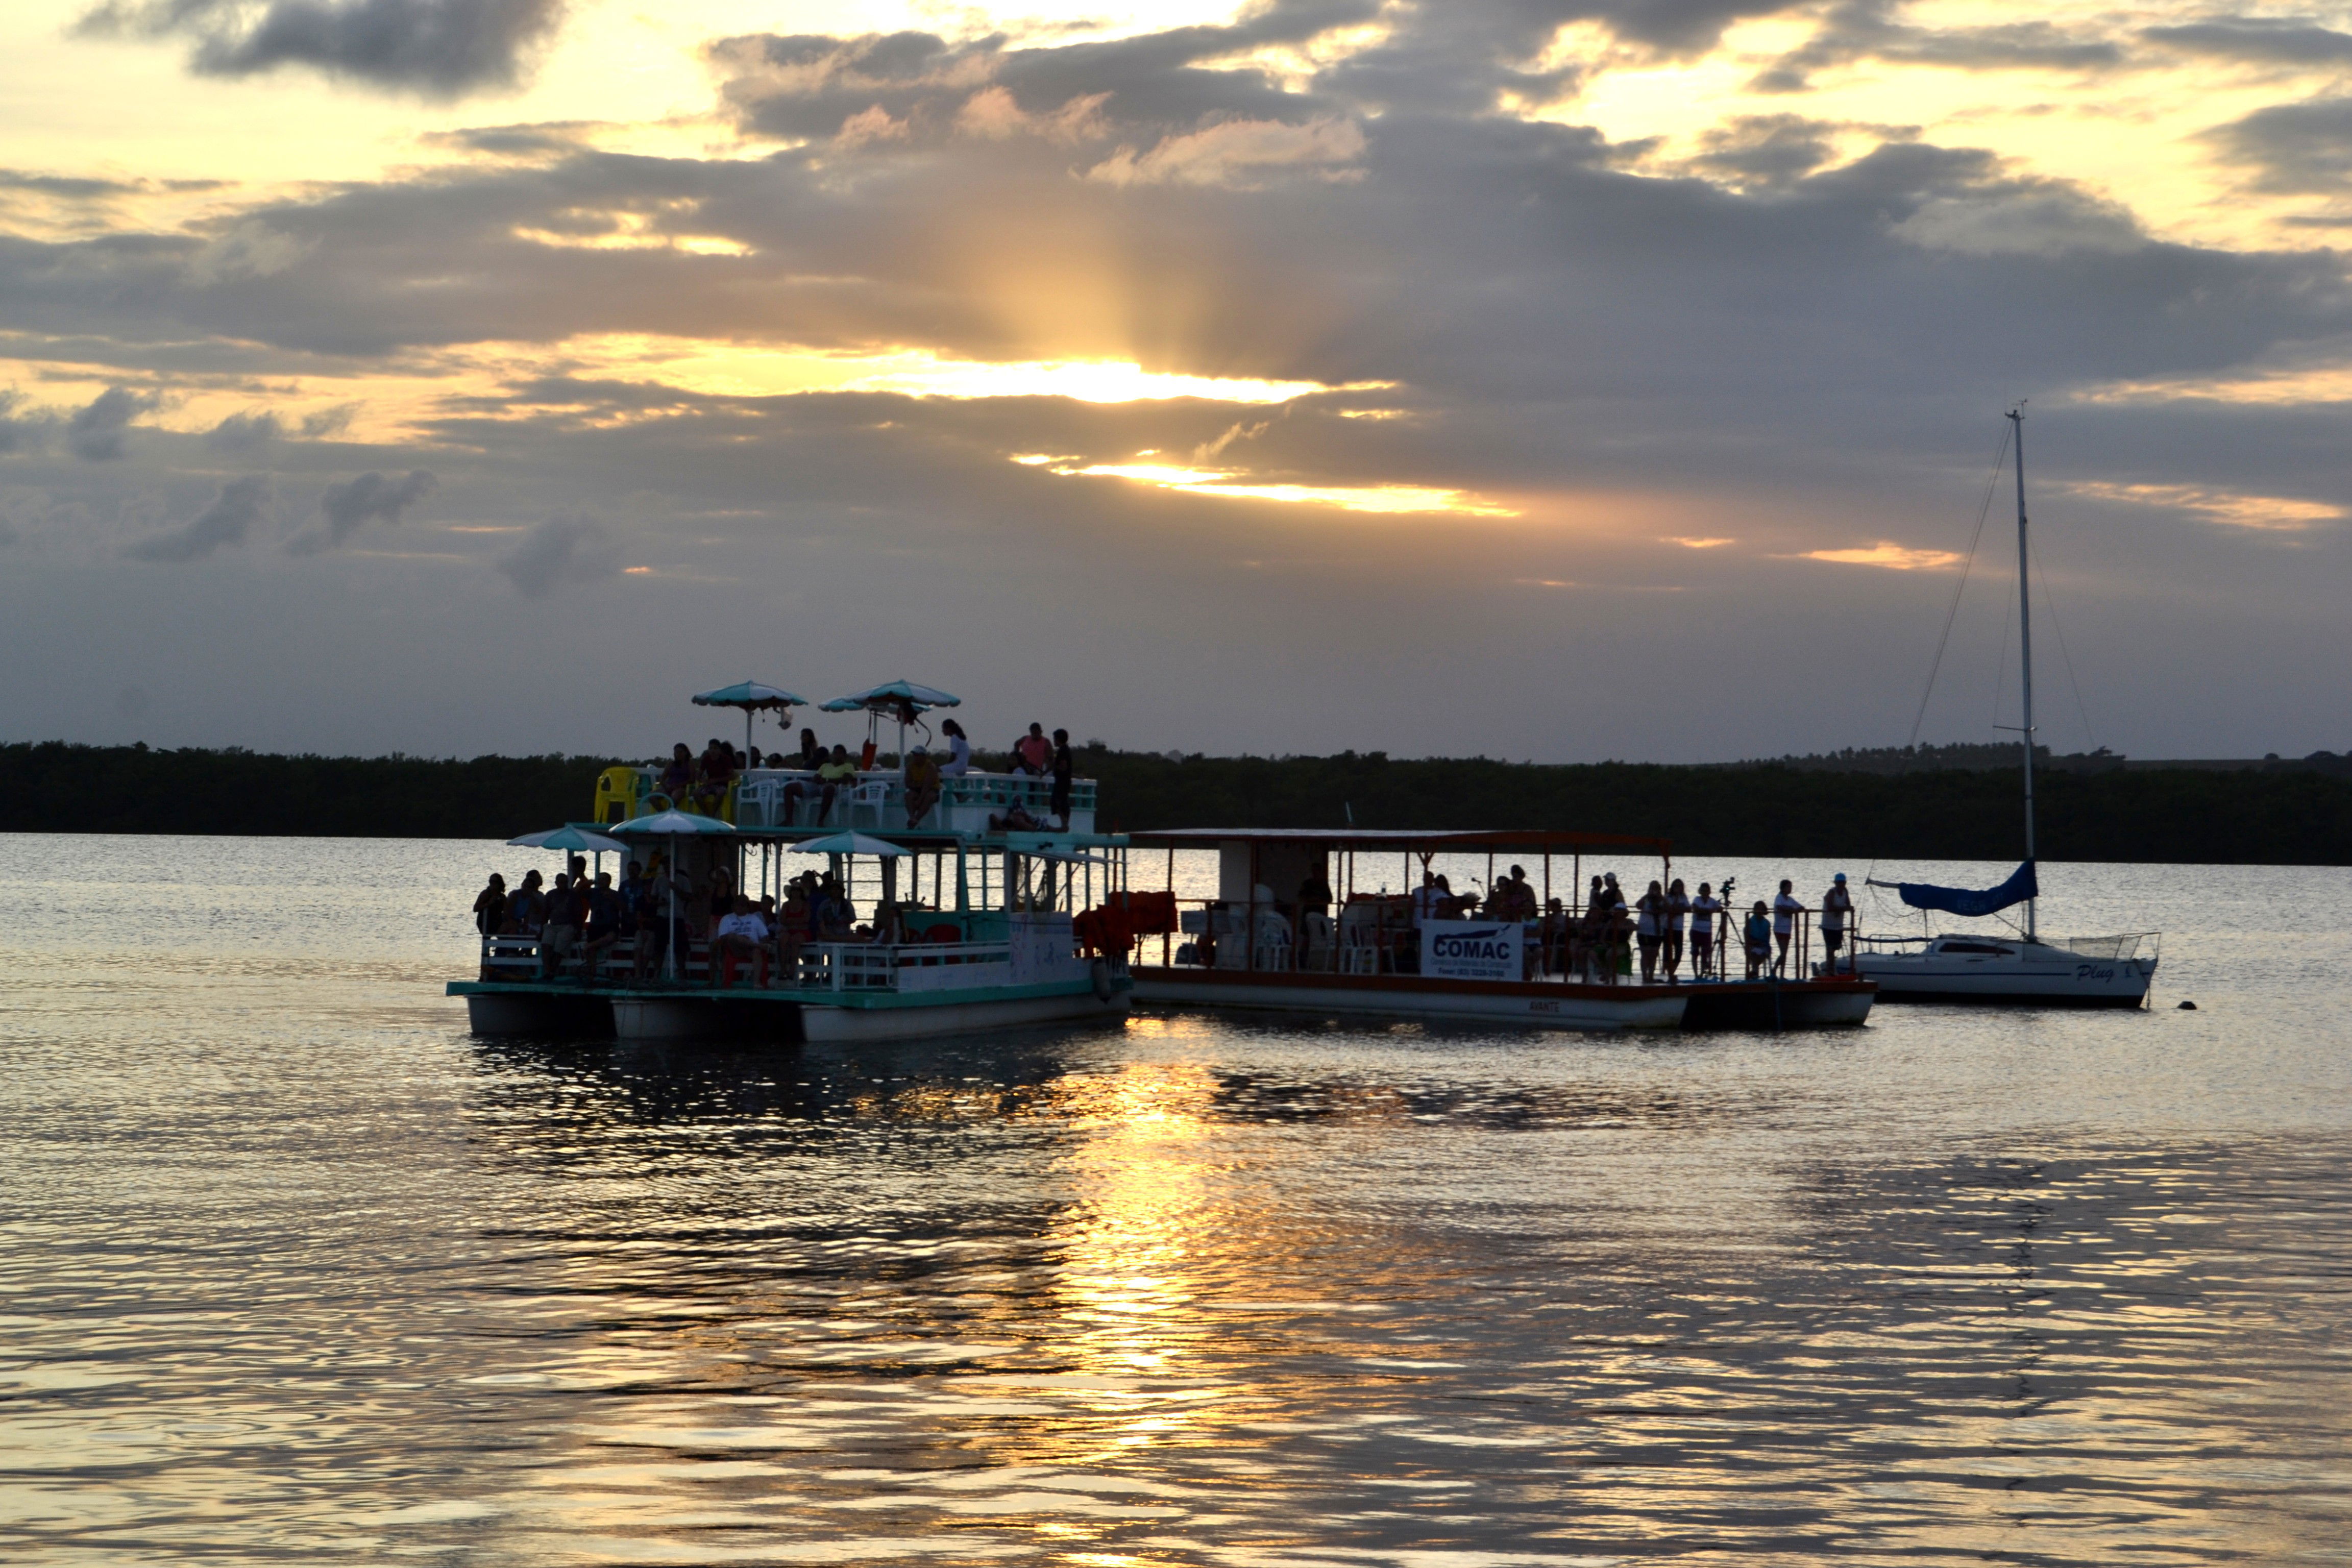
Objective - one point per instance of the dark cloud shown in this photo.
(370, 498)
(245, 432)
(1867, 30)
(560, 550)
(16, 435)
(1765, 149)
(69, 187)
(440, 47)
(2293, 149)
(2266, 40)
(226, 521)
(96, 434)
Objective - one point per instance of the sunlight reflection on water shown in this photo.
(297, 1270)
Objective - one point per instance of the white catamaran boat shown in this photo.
(984, 889)
(2096, 972)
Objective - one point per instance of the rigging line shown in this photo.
(1984, 510)
(2000, 672)
(2050, 603)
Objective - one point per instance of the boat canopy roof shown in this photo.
(1562, 840)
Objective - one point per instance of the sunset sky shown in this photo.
(1544, 380)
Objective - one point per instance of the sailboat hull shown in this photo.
(2043, 977)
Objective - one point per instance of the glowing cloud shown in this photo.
(2273, 514)
(1688, 543)
(1383, 498)
(1894, 557)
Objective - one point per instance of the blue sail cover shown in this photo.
(2020, 887)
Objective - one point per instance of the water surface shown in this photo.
(296, 1270)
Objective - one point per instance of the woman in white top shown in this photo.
(959, 761)
(1650, 930)
(1703, 911)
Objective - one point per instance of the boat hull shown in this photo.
(2068, 983)
(1534, 1004)
(1803, 1004)
(791, 1020)
(540, 1011)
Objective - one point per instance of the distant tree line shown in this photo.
(2299, 816)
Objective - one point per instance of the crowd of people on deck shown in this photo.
(576, 924)
(701, 783)
(1662, 928)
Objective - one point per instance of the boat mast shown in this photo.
(2024, 643)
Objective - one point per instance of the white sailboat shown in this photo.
(2097, 972)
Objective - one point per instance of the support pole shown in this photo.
(2024, 644)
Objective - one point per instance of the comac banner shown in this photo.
(1471, 949)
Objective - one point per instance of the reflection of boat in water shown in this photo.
(978, 914)
(2093, 972)
(1250, 947)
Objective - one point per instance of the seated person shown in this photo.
(567, 911)
(836, 917)
(835, 774)
(741, 934)
(922, 782)
(603, 921)
(1016, 818)
(959, 761)
(713, 778)
(890, 924)
(677, 778)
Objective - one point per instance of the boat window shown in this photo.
(1983, 947)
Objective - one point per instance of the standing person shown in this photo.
(959, 761)
(1621, 929)
(527, 909)
(1759, 934)
(1703, 911)
(1315, 892)
(1033, 753)
(1065, 767)
(490, 916)
(1837, 908)
(1785, 911)
(604, 932)
(490, 906)
(1650, 930)
(1677, 910)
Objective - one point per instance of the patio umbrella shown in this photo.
(568, 838)
(849, 844)
(900, 700)
(753, 697)
(672, 825)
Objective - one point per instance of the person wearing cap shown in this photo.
(1836, 905)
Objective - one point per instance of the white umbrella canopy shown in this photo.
(887, 697)
(900, 700)
(849, 844)
(673, 822)
(753, 697)
(578, 839)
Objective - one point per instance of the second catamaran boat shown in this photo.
(2097, 972)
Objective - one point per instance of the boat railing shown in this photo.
(875, 799)
(910, 966)
(1374, 935)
